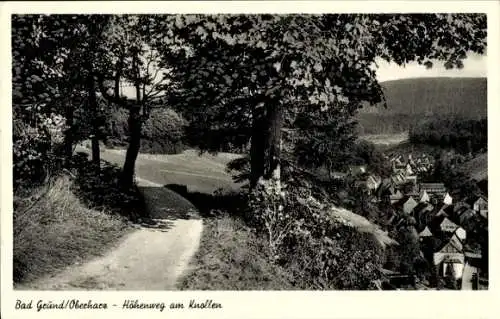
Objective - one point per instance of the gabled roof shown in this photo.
(403, 200)
(471, 200)
(465, 214)
(426, 232)
(448, 224)
(453, 245)
(440, 209)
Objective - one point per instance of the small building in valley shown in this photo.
(433, 189)
(406, 204)
(447, 199)
(424, 196)
(479, 204)
(450, 254)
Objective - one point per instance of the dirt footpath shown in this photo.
(153, 257)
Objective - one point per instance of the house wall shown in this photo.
(447, 199)
(461, 233)
(457, 267)
(480, 204)
(439, 257)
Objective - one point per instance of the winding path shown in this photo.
(154, 256)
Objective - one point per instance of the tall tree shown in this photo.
(247, 76)
(133, 59)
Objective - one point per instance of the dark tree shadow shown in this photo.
(164, 204)
(210, 205)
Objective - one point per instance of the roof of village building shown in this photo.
(473, 199)
(400, 204)
(398, 178)
(441, 209)
(357, 169)
(452, 245)
(465, 214)
(426, 232)
(434, 188)
(448, 224)
(421, 208)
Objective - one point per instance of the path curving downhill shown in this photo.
(155, 255)
(152, 257)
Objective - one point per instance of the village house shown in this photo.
(422, 213)
(406, 204)
(479, 204)
(356, 170)
(373, 182)
(447, 226)
(398, 178)
(409, 170)
(450, 255)
(461, 233)
(447, 199)
(426, 233)
(433, 189)
(394, 198)
(464, 214)
(424, 197)
(441, 209)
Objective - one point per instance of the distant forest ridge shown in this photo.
(411, 100)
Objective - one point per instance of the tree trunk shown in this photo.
(273, 156)
(92, 100)
(257, 147)
(135, 127)
(265, 151)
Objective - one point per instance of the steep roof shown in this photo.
(448, 224)
(453, 245)
(426, 232)
(472, 199)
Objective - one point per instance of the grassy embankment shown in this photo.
(68, 221)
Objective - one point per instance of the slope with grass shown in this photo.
(53, 229)
(232, 257)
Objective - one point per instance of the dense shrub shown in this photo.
(162, 133)
(36, 145)
(321, 251)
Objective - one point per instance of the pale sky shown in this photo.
(474, 66)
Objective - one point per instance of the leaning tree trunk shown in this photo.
(135, 127)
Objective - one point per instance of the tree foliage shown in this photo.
(245, 77)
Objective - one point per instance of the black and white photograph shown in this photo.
(248, 152)
(242, 152)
